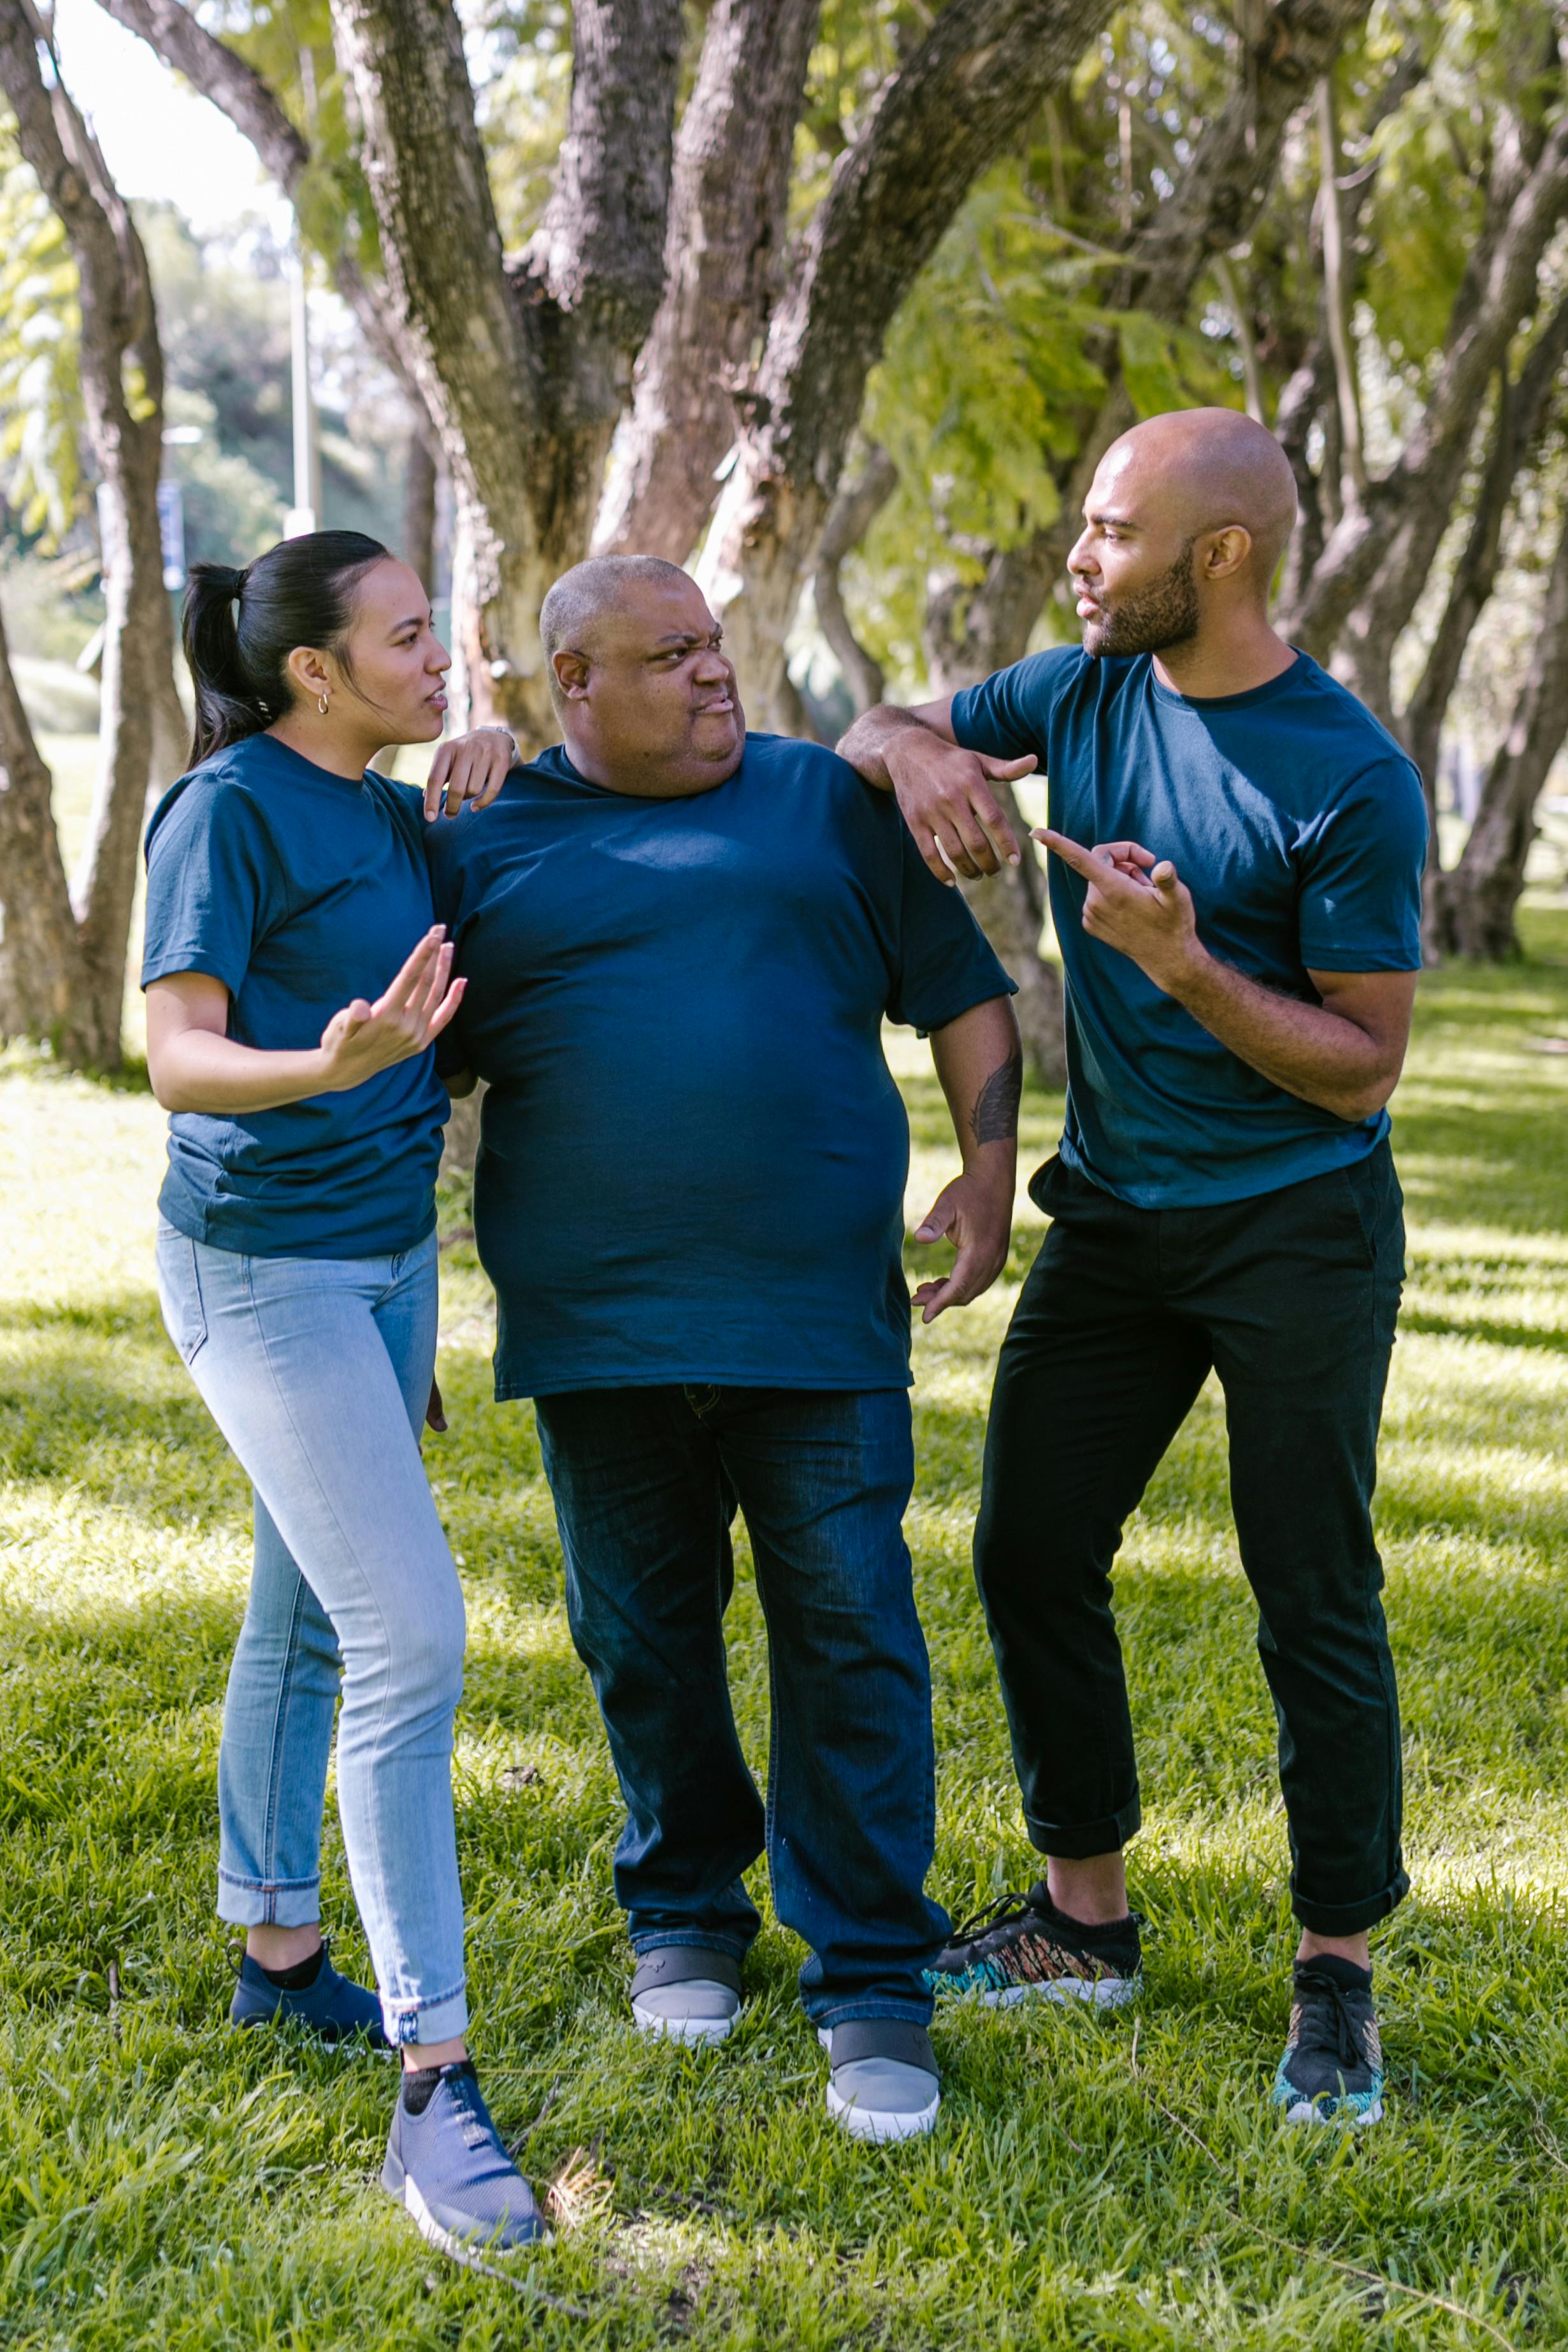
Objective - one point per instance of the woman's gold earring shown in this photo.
(321, 704)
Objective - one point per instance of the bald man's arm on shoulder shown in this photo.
(944, 791)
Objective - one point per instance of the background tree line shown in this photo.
(841, 303)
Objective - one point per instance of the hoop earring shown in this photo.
(321, 704)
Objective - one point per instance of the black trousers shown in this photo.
(1291, 1298)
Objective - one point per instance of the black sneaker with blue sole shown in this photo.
(447, 2166)
(333, 2008)
(1021, 1944)
(1332, 2072)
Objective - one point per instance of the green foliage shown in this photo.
(40, 391)
(1116, 2184)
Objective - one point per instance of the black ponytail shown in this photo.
(240, 627)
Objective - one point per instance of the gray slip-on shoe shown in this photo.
(884, 2083)
(686, 1992)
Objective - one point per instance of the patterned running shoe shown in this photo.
(1332, 2072)
(1022, 1944)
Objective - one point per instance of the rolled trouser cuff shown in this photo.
(1350, 1918)
(1081, 1841)
(268, 1903)
(414, 2021)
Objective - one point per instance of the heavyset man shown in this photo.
(679, 943)
(1235, 879)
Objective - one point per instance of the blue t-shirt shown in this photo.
(299, 890)
(1299, 826)
(694, 1155)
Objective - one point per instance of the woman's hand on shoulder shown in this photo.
(471, 767)
(365, 1038)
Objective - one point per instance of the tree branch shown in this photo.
(724, 267)
(979, 73)
(600, 250)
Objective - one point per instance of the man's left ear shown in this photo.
(1228, 553)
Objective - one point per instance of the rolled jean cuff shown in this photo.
(269, 1902)
(1079, 1840)
(825, 2009)
(734, 1945)
(1350, 1918)
(441, 2019)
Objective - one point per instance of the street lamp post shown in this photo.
(302, 514)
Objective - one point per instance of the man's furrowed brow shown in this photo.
(1104, 521)
(688, 637)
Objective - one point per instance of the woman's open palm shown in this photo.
(364, 1038)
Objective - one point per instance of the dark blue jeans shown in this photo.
(646, 1483)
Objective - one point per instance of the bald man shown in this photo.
(1236, 849)
(681, 943)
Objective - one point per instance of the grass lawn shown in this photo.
(1103, 2181)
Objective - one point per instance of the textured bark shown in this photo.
(1523, 410)
(1375, 564)
(969, 87)
(1476, 904)
(523, 371)
(418, 549)
(1215, 204)
(724, 267)
(1306, 391)
(1009, 906)
(43, 990)
(122, 398)
(859, 500)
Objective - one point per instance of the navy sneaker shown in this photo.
(332, 2009)
(448, 2167)
(1332, 2072)
(1022, 1944)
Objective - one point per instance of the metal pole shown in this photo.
(302, 514)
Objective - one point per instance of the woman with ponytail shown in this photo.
(295, 984)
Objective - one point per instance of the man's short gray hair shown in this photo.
(589, 590)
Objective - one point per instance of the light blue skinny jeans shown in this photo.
(318, 1372)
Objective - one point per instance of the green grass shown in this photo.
(1098, 2181)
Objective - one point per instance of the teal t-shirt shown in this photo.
(299, 890)
(692, 1153)
(1299, 825)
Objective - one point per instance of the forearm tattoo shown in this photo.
(995, 1117)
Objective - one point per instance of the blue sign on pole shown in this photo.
(172, 531)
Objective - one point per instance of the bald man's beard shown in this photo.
(1164, 615)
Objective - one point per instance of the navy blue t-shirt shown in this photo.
(694, 1155)
(299, 890)
(1299, 826)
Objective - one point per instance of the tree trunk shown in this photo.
(970, 86)
(1477, 903)
(1515, 432)
(724, 266)
(418, 549)
(1009, 906)
(859, 500)
(523, 370)
(122, 398)
(1363, 592)
(43, 990)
